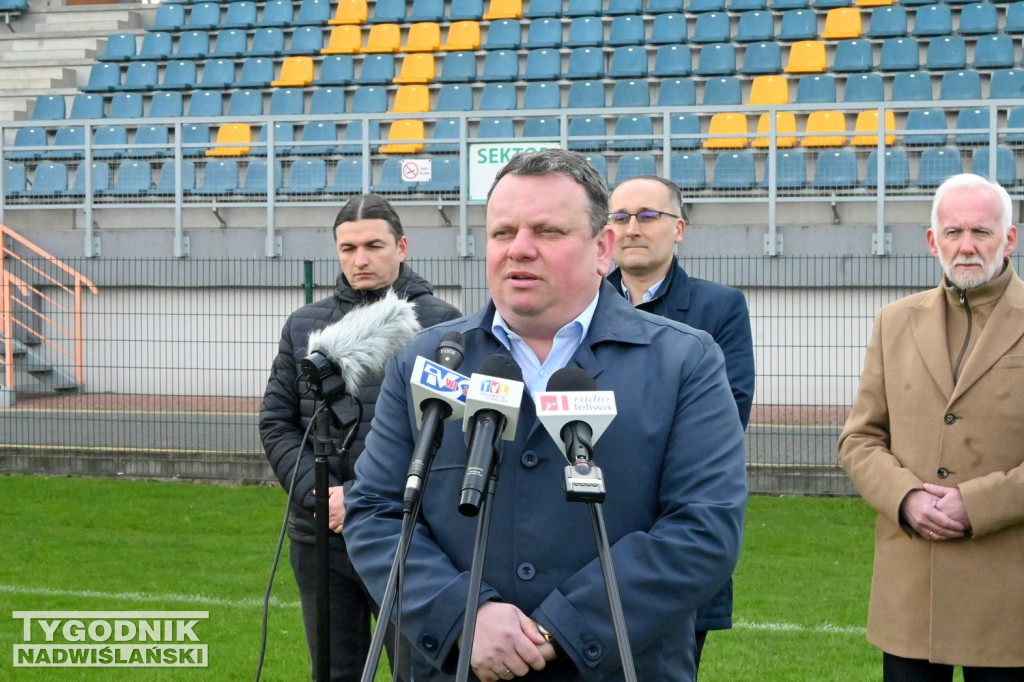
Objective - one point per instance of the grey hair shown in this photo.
(675, 194)
(570, 164)
(972, 181)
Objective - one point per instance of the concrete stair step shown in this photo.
(18, 79)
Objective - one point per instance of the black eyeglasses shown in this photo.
(643, 217)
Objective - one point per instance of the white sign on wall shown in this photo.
(416, 170)
(486, 159)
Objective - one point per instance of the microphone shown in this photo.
(439, 393)
(342, 356)
(492, 411)
(573, 411)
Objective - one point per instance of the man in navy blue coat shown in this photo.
(646, 215)
(673, 462)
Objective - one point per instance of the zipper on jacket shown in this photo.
(967, 337)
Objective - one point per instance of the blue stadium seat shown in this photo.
(110, 142)
(240, 14)
(586, 95)
(626, 29)
(697, 6)
(120, 47)
(255, 179)
(167, 180)
(711, 27)
(179, 74)
(193, 45)
(541, 127)
(166, 105)
(541, 95)
(681, 92)
(87, 105)
(618, 7)
(835, 169)
(733, 171)
(628, 61)
(790, 170)
(546, 64)
(205, 103)
(140, 76)
(502, 65)
(203, 16)
(592, 127)
(348, 177)
(684, 130)
(580, 8)
(963, 84)
(245, 103)
(103, 77)
(496, 128)
(946, 52)
(1006, 165)
(864, 87)
(257, 72)
(220, 178)
(823, 5)
(798, 24)
(671, 61)
(326, 101)
(975, 120)
(498, 97)
(15, 180)
(897, 169)
(1013, 22)
(725, 90)
(156, 46)
(24, 141)
(585, 32)
(277, 13)
(458, 67)
(755, 27)
(169, 17)
(217, 74)
(126, 105)
(426, 10)
(454, 97)
(132, 179)
(49, 108)
(391, 180)
(932, 20)
(688, 171)
(746, 5)
(784, 5)
(353, 140)
(816, 88)
(313, 13)
(100, 180)
(266, 42)
(369, 99)
(599, 163)
(668, 29)
(68, 143)
(306, 40)
(284, 135)
(993, 52)
(899, 54)
(287, 102)
(633, 132)
(631, 93)
(937, 165)
(318, 132)
(336, 69)
(388, 12)
(376, 69)
(761, 58)
(445, 136)
(544, 32)
(151, 141)
(889, 21)
(632, 165)
(1006, 83)
(585, 62)
(49, 180)
(537, 9)
(306, 177)
(852, 56)
(925, 127)
(507, 34)
(716, 59)
(664, 6)
(978, 19)
(911, 86)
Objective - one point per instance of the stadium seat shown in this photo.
(727, 131)
(946, 52)
(348, 177)
(1013, 22)
(716, 59)
(287, 102)
(140, 76)
(100, 178)
(826, 128)
(677, 92)
(498, 97)
(733, 171)
(506, 34)
(964, 84)
(684, 130)
(790, 170)
(126, 105)
(405, 136)
(411, 99)
(688, 171)
(465, 10)
(233, 139)
(626, 29)
(829, 4)
(746, 5)
(993, 52)
(203, 16)
(543, 8)
(29, 143)
(245, 103)
(664, 6)
(103, 77)
(15, 180)
(156, 46)
(383, 38)
(671, 61)
(924, 127)
(580, 8)
(424, 36)
(584, 62)
(462, 36)
(277, 13)
(220, 178)
(755, 27)
(785, 130)
(887, 22)
(586, 95)
(806, 56)
(444, 138)
(444, 177)
(296, 72)
(546, 64)
(193, 45)
(313, 13)
(389, 12)
(835, 169)
(169, 17)
(761, 59)
(897, 169)
(323, 133)
(798, 24)
(785, 5)
(416, 68)
(1004, 83)
(633, 132)
(630, 61)
(899, 54)
(816, 88)
(369, 99)
(541, 127)
(972, 126)
(454, 97)
(911, 86)
(257, 72)
(349, 12)
(205, 103)
(391, 179)
(496, 129)
(167, 181)
(49, 180)
(540, 95)
(255, 179)
(353, 140)
(195, 139)
(768, 90)
(618, 7)
(668, 29)
(110, 142)
(151, 141)
(68, 143)
(862, 87)
(267, 42)
(866, 129)
(426, 10)
(585, 32)
(48, 108)
(376, 69)
(284, 135)
(587, 133)
(696, 6)
(1006, 165)
(120, 47)
(852, 56)
(632, 165)
(503, 65)
(504, 9)
(937, 165)
(977, 19)
(336, 69)
(932, 20)
(87, 105)
(218, 74)
(1014, 126)
(634, 94)
(305, 40)
(344, 39)
(240, 14)
(711, 27)
(724, 90)
(306, 177)
(545, 32)
(842, 23)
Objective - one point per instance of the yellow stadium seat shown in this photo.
(830, 127)
(404, 129)
(296, 72)
(734, 125)
(416, 68)
(237, 135)
(344, 40)
(462, 35)
(424, 36)
(504, 9)
(349, 12)
(411, 99)
(769, 89)
(867, 126)
(384, 38)
(785, 122)
(874, 3)
(842, 23)
(806, 56)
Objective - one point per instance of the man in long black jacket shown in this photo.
(371, 248)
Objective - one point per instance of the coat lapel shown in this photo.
(927, 324)
(1004, 328)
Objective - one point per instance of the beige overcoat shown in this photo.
(957, 602)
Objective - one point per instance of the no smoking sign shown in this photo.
(416, 170)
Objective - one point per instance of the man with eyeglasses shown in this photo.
(646, 218)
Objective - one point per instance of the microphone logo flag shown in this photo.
(431, 380)
(555, 409)
(494, 393)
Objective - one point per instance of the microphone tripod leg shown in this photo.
(322, 549)
(476, 577)
(612, 589)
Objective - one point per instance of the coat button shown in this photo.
(526, 571)
(593, 650)
(429, 643)
(950, 418)
(943, 472)
(529, 459)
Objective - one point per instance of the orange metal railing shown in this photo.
(55, 335)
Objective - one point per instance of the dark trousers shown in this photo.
(898, 669)
(350, 611)
(698, 648)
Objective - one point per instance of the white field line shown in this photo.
(142, 597)
(824, 628)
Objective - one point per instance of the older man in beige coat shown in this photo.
(935, 443)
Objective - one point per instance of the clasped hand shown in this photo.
(936, 513)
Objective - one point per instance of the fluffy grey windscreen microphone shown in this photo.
(362, 342)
